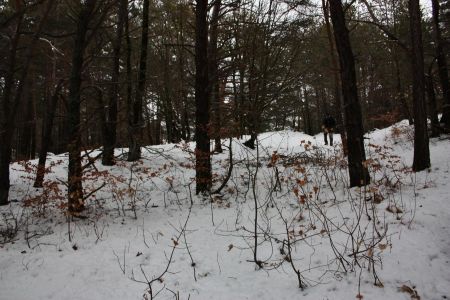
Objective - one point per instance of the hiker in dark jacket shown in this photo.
(328, 125)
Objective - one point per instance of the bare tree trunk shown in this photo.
(336, 79)
(172, 136)
(359, 174)
(136, 122)
(306, 113)
(202, 150)
(214, 76)
(75, 187)
(46, 136)
(432, 106)
(421, 143)
(109, 139)
(5, 110)
(400, 95)
(8, 109)
(129, 95)
(442, 64)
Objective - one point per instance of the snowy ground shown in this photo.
(390, 240)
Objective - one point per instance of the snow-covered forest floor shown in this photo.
(146, 234)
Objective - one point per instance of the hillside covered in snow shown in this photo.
(285, 225)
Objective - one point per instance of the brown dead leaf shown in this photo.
(382, 246)
(411, 291)
(394, 209)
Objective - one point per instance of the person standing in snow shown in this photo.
(328, 125)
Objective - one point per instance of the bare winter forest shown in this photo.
(224, 149)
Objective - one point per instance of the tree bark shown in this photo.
(8, 108)
(129, 94)
(336, 78)
(442, 64)
(359, 175)
(5, 111)
(421, 144)
(432, 106)
(202, 150)
(214, 76)
(172, 136)
(74, 180)
(46, 136)
(136, 122)
(109, 140)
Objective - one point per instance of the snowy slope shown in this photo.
(147, 215)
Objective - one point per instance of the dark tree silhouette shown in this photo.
(11, 101)
(109, 138)
(421, 143)
(136, 118)
(202, 148)
(442, 63)
(75, 171)
(359, 174)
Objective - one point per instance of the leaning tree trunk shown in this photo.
(358, 172)
(74, 180)
(136, 122)
(202, 149)
(109, 138)
(421, 144)
(442, 64)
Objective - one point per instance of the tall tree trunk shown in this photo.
(27, 131)
(75, 187)
(307, 113)
(421, 144)
(136, 122)
(202, 149)
(404, 107)
(432, 106)
(442, 64)
(109, 139)
(336, 78)
(185, 129)
(129, 94)
(359, 174)
(5, 111)
(214, 76)
(46, 136)
(8, 109)
(168, 107)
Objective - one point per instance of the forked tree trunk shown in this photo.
(421, 144)
(202, 149)
(358, 172)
